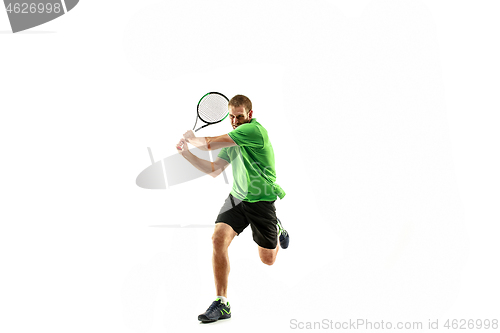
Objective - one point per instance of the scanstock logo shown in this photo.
(31, 13)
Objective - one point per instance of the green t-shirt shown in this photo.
(252, 161)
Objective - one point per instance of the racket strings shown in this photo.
(213, 108)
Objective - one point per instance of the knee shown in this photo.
(268, 260)
(219, 243)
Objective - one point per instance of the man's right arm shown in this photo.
(209, 143)
(210, 168)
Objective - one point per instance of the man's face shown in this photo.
(238, 116)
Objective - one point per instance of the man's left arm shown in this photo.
(209, 143)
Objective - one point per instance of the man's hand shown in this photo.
(182, 147)
(197, 141)
(189, 135)
(209, 143)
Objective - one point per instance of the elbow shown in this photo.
(214, 174)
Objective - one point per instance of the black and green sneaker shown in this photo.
(216, 311)
(283, 235)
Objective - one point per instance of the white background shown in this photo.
(384, 120)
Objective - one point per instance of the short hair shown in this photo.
(240, 100)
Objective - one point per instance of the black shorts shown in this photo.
(261, 216)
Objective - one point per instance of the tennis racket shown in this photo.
(211, 109)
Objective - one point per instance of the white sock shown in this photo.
(223, 299)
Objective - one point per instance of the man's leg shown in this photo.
(222, 237)
(268, 256)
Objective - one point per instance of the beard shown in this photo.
(246, 121)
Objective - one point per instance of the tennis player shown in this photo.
(251, 201)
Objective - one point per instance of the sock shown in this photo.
(223, 299)
(279, 227)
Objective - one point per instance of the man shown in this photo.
(251, 201)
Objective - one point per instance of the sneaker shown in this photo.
(216, 311)
(284, 236)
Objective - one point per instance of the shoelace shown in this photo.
(213, 306)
